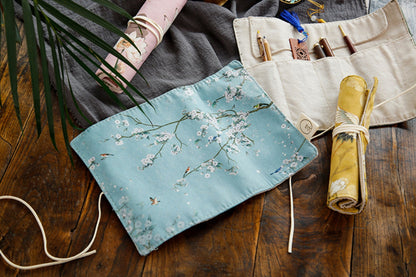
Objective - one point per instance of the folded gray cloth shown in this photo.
(199, 42)
(333, 10)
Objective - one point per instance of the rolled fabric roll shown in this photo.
(151, 22)
(347, 192)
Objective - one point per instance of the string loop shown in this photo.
(150, 25)
(292, 218)
(56, 260)
(351, 128)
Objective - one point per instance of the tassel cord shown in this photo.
(293, 19)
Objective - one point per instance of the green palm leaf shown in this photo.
(62, 107)
(1, 34)
(10, 31)
(94, 18)
(76, 106)
(104, 62)
(61, 31)
(18, 38)
(46, 80)
(110, 5)
(81, 30)
(75, 57)
(32, 54)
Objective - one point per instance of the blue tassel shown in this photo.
(293, 19)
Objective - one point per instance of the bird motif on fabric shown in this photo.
(276, 171)
(186, 171)
(105, 155)
(261, 106)
(344, 117)
(154, 201)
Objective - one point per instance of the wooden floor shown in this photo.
(249, 240)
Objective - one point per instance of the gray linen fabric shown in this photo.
(199, 42)
(334, 10)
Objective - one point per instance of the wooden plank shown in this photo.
(10, 131)
(44, 178)
(223, 246)
(63, 195)
(322, 240)
(65, 198)
(384, 233)
(31, 169)
(116, 254)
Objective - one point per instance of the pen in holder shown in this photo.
(260, 43)
(267, 50)
(326, 47)
(348, 41)
(319, 52)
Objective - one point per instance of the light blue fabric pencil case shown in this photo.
(199, 151)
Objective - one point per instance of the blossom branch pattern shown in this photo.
(224, 127)
(139, 228)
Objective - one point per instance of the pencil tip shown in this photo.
(342, 31)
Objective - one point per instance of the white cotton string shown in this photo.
(143, 24)
(395, 97)
(151, 22)
(375, 107)
(351, 128)
(57, 260)
(292, 218)
(150, 25)
(323, 132)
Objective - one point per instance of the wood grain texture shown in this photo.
(248, 240)
(223, 246)
(10, 132)
(384, 235)
(44, 178)
(322, 239)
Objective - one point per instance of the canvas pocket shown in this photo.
(385, 50)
